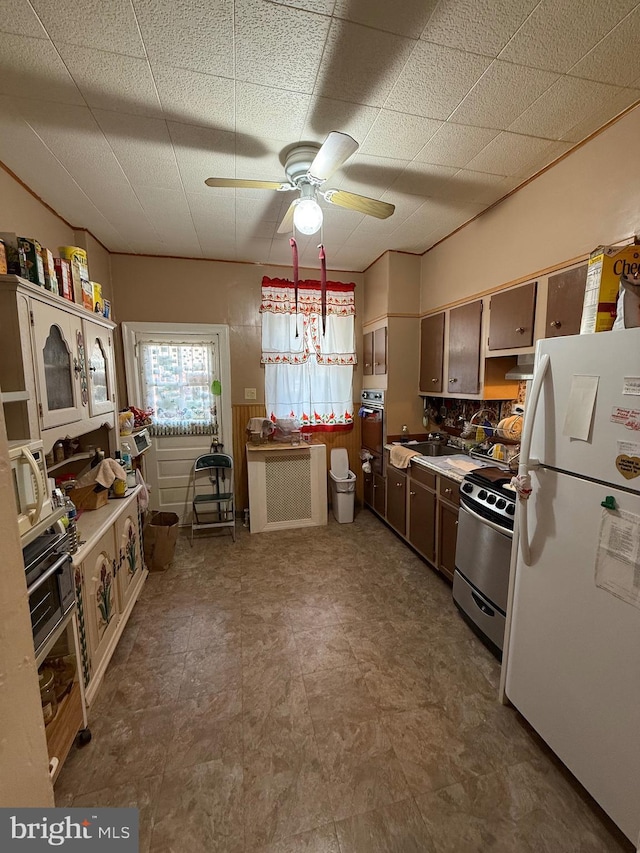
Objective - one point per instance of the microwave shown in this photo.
(33, 502)
(137, 443)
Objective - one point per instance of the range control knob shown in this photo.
(491, 499)
(501, 503)
(482, 494)
(511, 509)
(467, 487)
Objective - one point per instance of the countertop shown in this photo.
(446, 465)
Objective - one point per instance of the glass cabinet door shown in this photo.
(99, 353)
(58, 367)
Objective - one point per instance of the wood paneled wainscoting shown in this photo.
(240, 419)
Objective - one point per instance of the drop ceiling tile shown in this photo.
(73, 136)
(510, 154)
(367, 175)
(320, 7)
(479, 187)
(408, 18)
(557, 35)
(189, 34)
(616, 59)
(259, 159)
(124, 210)
(202, 153)
(398, 135)
(32, 68)
(425, 180)
(18, 18)
(193, 98)
(143, 148)
(381, 57)
(455, 144)
(263, 111)
(327, 114)
(257, 250)
(501, 94)
(111, 82)
(268, 207)
(435, 80)
(221, 250)
(601, 114)
(549, 155)
(108, 26)
(278, 47)
(478, 26)
(169, 213)
(562, 106)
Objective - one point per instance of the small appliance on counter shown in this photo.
(30, 483)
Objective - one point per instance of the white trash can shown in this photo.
(343, 486)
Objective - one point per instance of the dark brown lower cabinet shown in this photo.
(422, 520)
(379, 494)
(447, 534)
(368, 488)
(397, 499)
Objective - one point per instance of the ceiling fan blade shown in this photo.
(360, 203)
(335, 150)
(243, 184)
(286, 226)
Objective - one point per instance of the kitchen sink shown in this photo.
(435, 448)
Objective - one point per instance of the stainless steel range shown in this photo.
(483, 553)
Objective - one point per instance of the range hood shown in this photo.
(524, 367)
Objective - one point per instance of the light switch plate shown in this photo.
(249, 393)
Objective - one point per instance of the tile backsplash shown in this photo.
(451, 414)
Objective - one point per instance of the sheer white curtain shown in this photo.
(308, 370)
(177, 381)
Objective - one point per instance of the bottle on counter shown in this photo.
(98, 457)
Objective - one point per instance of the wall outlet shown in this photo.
(249, 393)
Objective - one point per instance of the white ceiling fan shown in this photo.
(308, 166)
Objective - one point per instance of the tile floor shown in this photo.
(316, 691)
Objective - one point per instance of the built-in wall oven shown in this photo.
(483, 553)
(372, 427)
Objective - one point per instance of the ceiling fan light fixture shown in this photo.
(307, 216)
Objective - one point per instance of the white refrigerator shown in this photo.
(572, 659)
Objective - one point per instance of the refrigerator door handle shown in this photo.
(526, 464)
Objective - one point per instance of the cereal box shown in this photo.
(606, 265)
(63, 274)
(16, 264)
(50, 279)
(3, 258)
(33, 259)
(87, 295)
(97, 297)
(76, 282)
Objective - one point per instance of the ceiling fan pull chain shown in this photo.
(323, 286)
(294, 252)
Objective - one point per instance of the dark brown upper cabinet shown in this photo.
(431, 353)
(367, 354)
(512, 317)
(380, 351)
(564, 302)
(465, 325)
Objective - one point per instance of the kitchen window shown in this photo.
(308, 352)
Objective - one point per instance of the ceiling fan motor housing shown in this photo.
(298, 162)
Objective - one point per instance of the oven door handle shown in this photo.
(486, 521)
(59, 563)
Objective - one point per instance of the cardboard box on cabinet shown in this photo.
(607, 266)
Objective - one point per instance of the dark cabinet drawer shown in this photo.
(424, 476)
(449, 490)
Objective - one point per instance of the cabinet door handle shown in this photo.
(451, 381)
(447, 491)
(399, 485)
(434, 380)
(367, 364)
(555, 324)
(413, 494)
(520, 330)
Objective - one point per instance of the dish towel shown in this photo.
(103, 474)
(400, 457)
